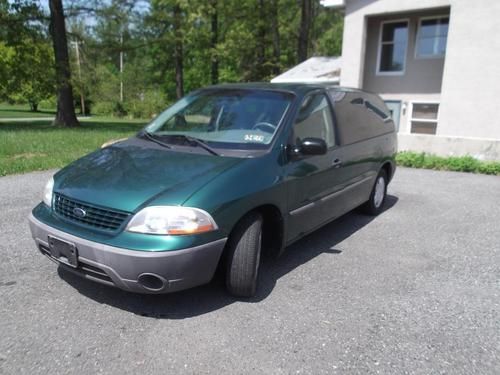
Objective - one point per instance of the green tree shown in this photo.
(326, 34)
(169, 24)
(175, 46)
(31, 81)
(25, 54)
(7, 54)
(136, 55)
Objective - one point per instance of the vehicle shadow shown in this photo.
(210, 297)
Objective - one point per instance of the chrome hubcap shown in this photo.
(378, 197)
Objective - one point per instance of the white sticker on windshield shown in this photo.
(254, 138)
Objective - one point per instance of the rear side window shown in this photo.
(314, 120)
(360, 116)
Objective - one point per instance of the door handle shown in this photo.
(336, 163)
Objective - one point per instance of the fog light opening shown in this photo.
(151, 281)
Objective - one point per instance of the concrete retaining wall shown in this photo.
(480, 148)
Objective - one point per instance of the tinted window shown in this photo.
(360, 116)
(314, 120)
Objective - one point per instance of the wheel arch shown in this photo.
(273, 227)
(389, 170)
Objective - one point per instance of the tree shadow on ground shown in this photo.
(27, 111)
(210, 297)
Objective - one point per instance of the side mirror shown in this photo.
(308, 146)
(313, 146)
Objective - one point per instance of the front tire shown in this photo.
(244, 248)
(375, 204)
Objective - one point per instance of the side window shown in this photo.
(314, 120)
(360, 116)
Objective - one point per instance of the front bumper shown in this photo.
(135, 271)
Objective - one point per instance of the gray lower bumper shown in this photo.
(136, 271)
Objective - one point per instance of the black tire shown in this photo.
(244, 247)
(374, 206)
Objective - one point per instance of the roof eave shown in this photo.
(336, 4)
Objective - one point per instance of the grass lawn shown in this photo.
(18, 111)
(27, 146)
(37, 145)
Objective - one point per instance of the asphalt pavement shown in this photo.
(415, 290)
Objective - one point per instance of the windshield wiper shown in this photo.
(152, 138)
(199, 142)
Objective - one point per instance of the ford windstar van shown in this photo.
(220, 177)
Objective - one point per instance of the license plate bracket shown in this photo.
(63, 251)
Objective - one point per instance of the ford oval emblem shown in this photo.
(79, 212)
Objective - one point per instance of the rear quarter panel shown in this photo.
(366, 131)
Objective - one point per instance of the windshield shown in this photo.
(226, 118)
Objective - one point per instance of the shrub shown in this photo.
(119, 109)
(489, 168)
(103, 108)
(147, 105)
(48, 104)
(452, 163)
(144, 106)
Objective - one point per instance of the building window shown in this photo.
(431, 37)
(392, 47)
(424, 118)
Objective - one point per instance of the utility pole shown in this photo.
(121, 66)
(82, 99)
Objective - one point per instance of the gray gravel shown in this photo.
(415, 290)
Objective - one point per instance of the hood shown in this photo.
(128, 174)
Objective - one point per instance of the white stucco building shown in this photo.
(437, 65)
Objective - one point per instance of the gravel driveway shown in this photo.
(415, 290)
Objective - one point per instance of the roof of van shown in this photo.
(298, 88)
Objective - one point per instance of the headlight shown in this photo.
(47, 192)
(171, 220)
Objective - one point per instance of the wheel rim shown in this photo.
(378, 197)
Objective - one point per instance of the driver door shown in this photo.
(312, 178)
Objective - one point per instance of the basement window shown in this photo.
(424, 118)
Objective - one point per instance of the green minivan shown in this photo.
(223, 175)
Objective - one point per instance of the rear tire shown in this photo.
(244, 247)
(375, 204)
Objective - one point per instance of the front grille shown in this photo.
(96, 217)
